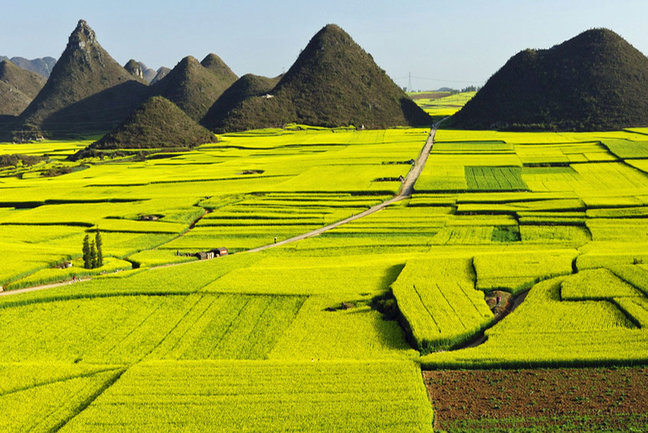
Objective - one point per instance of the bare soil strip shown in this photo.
(509, 399)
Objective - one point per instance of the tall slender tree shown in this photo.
(87, 260)
(93, 255)
(99, 246)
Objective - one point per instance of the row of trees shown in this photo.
(93, 252)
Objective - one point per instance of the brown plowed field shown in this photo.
(579, 399)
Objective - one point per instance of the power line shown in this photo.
(410, 76)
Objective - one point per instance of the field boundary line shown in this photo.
(406, 190)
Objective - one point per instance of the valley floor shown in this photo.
(329, 333)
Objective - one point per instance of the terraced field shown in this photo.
(326, 333)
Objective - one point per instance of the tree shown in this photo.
(93, 255)
(87, 259)
(99, 245)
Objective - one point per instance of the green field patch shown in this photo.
(459, 147)
(620, 212)
(626, 149)
(322, 330)
(618, 229)
(438, 300)
(506, 234)
(545, 331)
(554, 234)
(596, 284)
(262, 396)
(636, 308)
(637, 275)
(518, 271)
(311, 275)
(42, 399)
(230, 327)
(495, 178)
(565, 205)
(611, 255)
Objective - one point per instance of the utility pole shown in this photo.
(409, 83)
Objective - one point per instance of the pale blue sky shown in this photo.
(453, 43)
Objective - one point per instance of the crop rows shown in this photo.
(596, 284)
(438, 300)
(129, 328)
(495, 179)
(40, 398)
(518, 271)
(262, 396)
(547, 331)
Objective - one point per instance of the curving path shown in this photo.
(405, 191)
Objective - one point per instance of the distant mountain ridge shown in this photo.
(594, 81)
(18, 87)
(42, 66)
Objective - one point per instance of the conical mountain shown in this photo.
(140, 70)
(333, 82)
(17, 88)
(86, 91)
(193, 87)
(28, 82)
(157, 124)
(595, 81)
(134, 68)
(160, 74)
(219, 67)
(247, 86)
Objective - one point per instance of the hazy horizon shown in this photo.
(442, 43)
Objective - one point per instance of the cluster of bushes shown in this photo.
(15, 159)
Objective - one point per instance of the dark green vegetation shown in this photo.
(17, 88)
(87, 91)
(334, 82)
(595, 81)
(93, 252)
(15, 159)
(194, 86)
(157, 124)
(248, 86)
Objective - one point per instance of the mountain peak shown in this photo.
(216, 65)
(82, 36)
(156, 124)
(593, 81)
(193, 87)
(87, 89)
(333, 82)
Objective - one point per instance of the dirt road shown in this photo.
(405, 191)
